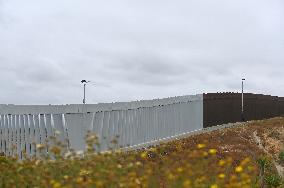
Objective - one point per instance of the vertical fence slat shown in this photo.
(32, 135)
(1, 135)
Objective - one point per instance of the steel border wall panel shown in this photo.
(188, 116)
(18, 135)
(22, 134)
(122, 118)
(155, 124)
(169, 120)
(111, 129)
(175, 117)
(1, 136)
(75, 135)
(77, 127)
(141, 129)
(150, 123)
(5, 119)
(159, 127)
(37, 134)
(59, 127)
(43, 132)
(12, 135)
(120, 128)
(127, 128)
(98, 126)
(32, 133)
(10, 132)
(49, 128)
(104, 143)
(37, 131)
(144, 125)
(101, 127)
(137, 130)
(116, 128)
(134, 126)
(27, 134)
(42, 128)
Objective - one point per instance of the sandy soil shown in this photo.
(252, 139)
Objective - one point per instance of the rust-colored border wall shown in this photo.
(220, 108)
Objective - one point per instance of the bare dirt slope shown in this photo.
(252, 139)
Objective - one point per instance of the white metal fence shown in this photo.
(22, 127)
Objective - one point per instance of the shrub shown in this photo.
(281, 157)
(273, 180)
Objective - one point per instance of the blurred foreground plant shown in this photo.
(173, 164)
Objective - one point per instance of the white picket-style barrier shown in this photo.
(133, 123)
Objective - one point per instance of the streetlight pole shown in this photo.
(84, 99)
(243, 117)
(84, 82)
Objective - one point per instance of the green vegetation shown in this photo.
(281, 157)
(212, 160)
(168, 165)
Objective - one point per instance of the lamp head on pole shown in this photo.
(84, 81)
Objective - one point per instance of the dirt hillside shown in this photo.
(251, 139)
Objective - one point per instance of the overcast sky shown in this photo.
(134, 50)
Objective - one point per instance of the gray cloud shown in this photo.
(138, 50)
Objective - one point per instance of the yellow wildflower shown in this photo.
(144, 155)
(56, 150)
(84, 172)
(200, 146)
(186, 183)
(212, 151)
(239, 169)
(205, 154)
(214, 186)
(171, 176)
(56, 185)
(99, 183)
(39, 146)
(79, 180)
(179, 169)
(221, 176)
(245, 161)
(221, 162)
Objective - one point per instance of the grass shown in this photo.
(217, 159)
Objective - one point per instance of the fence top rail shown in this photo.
(231, 95)
(81, 108)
